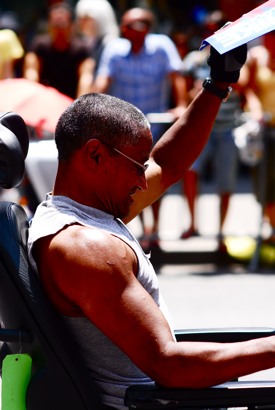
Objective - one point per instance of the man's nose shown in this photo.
(143, 182)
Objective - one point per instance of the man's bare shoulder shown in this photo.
(79, 261)
(87, 245)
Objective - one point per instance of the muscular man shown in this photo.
(93, 269)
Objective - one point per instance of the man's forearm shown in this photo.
(183, 142)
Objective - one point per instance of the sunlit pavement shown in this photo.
(243, 219)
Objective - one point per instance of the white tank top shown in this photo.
(109, 367)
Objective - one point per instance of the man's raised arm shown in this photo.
(177, 149)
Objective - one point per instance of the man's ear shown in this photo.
(92, 151)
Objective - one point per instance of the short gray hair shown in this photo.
(101, 116)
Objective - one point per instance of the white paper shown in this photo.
(256, 23)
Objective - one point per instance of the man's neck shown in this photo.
(136, 47)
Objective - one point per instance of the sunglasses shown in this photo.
(141, 168)
(138, 25)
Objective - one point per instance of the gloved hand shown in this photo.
(226, 67)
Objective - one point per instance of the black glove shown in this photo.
(226, 67)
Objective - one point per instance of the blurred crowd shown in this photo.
(159, 68)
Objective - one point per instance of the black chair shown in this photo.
(29, 324)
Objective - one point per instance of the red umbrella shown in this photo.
(40, 106)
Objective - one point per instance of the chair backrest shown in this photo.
(14, 145)
(29, 323)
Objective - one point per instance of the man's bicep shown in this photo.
(109, 294)
(125, 312)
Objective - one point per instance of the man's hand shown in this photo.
(226, 67)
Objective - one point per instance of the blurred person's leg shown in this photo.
(191, 182)
(224, 205)
(263, 178)
(154, 238)
(226, 172)
(270, 213)
(190, 189)
(269, 197)
(150, 236)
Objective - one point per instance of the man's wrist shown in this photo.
(219, 89)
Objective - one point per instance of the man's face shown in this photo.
(135, 25)
(60, 24)
(126, 175)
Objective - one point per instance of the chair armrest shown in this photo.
(223, 335)
(229, 394)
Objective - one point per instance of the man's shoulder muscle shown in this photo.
(78, 258)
